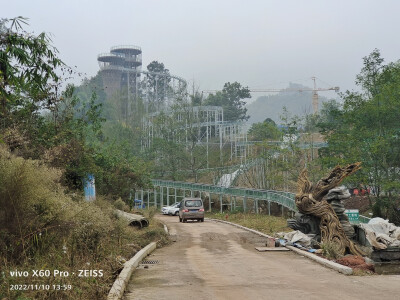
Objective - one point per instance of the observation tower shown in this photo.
(121, 69)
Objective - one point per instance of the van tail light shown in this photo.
(201, 209)
(185, 210)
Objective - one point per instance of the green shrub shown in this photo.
(150, 212)
(120, 204)
(331, 250)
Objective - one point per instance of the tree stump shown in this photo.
(309, 200)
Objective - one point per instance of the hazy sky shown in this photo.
(261, 44)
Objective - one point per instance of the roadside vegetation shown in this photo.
(45, 228)
(263, 223)
(50, 140)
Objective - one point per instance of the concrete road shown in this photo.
(217, 261)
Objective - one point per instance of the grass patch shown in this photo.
(263, 223)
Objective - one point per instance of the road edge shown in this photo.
(322, 261)
(118, 288)
(325, 262)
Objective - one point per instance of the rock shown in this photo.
(305, 223)
(368, 260)
(386, 255)
(339, 189)
(387, 268)
(338, 196)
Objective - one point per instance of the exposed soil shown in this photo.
(355, 262)
(357, 202)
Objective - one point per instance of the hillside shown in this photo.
(271, 106)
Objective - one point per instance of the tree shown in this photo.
(230, 98)
(157, 84)
(369, 77)
(367, 130)
(39, 122)
(28, 66)
(266, 130)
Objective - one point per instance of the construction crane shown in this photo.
(314, 91)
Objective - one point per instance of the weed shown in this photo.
(121, 205)
(150, 212)
(331, 250)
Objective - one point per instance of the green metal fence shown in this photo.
(283, 198)
(363, 219)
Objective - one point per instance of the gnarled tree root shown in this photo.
(309, 200)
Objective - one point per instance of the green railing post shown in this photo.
(161, 196)
(244, 204)
(220, 202)
(167, 195)
(175, 195)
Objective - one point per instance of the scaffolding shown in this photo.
(121, 71)
(206, 125)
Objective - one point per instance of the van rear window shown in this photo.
(193, 203)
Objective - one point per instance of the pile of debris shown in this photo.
(381, 234)
(380, 239)
(383, 238)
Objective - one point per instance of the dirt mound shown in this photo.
(355, 262)
(357, 202)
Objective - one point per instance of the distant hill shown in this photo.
(271, 106)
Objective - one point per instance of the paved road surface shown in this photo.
(217, 261)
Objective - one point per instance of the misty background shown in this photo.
(261, 44)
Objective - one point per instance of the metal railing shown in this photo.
(123, 47)
(363, 219)
(283, 198)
